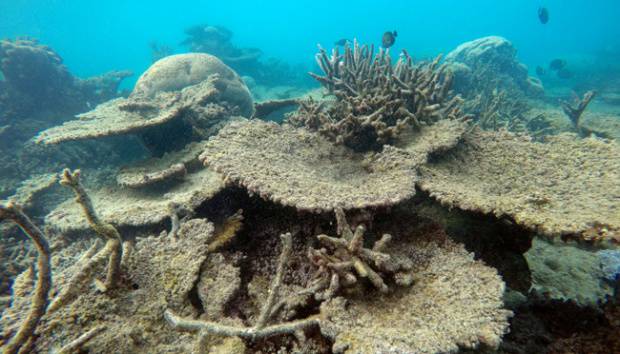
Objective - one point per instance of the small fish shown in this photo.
(342, 42)
(540, 71)
(388, 39)
(565, 73)
(543, 15)
(557, 64)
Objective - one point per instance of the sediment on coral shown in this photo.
(564, 188)
(295, 167)
(376, 101)
(39, 299)
(168, 108)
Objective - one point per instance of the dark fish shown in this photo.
(565, 73)
(342, 42)
(388, 39)
(557, 64)
(543, 15)
(540, 71)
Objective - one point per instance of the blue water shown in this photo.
(97, 36)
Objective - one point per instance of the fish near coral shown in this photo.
(388, 39)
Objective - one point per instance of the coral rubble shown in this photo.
(565, 187)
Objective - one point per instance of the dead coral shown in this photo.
(171, 166)
(575, 111)
(349, 257)
(261, 329)
(454, 302)
(39, 299)
(566, 187)
(138, 207)
(299, 168)
(376, 101)
(181, 98)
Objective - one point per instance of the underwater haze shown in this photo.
(316, 177)
(94, 37)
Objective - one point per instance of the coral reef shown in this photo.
(295, 167)
(566, 272)
(424, 317)
(565, 187)
(489, 63)
(141, 207)
(182, 97)
(375, 101)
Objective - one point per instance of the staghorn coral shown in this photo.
(375, 101)
(181, 97)
(261, 328)
(575, 111)
(112, 251)
(565, 187)
(303, 169)
(454, 302)
(350, 257)
(39, 298)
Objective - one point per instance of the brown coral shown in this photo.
(566, 187)
(376, 101)
(296, 167)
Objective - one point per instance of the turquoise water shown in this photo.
(94, 37)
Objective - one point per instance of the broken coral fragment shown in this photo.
(295, 167)
(566, 187)
(138, 208)
(455, 302)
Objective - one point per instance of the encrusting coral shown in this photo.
(375, 101)
(44, 277)
(565, 187)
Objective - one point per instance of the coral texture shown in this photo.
(295, 167)
(454, 302)
(375, 101)
(566, 187)
(124, 208)
(174, 165)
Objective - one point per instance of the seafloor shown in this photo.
(454, 204)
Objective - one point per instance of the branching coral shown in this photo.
(44, 277)
(376, 101)
(350, 257)
(575, 111)
(112, 251)
(261, 329)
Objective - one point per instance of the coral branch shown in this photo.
(77, 344)
(261, 329)
(44, 276)
(574, 113)
(375, 101)
(106, 231)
